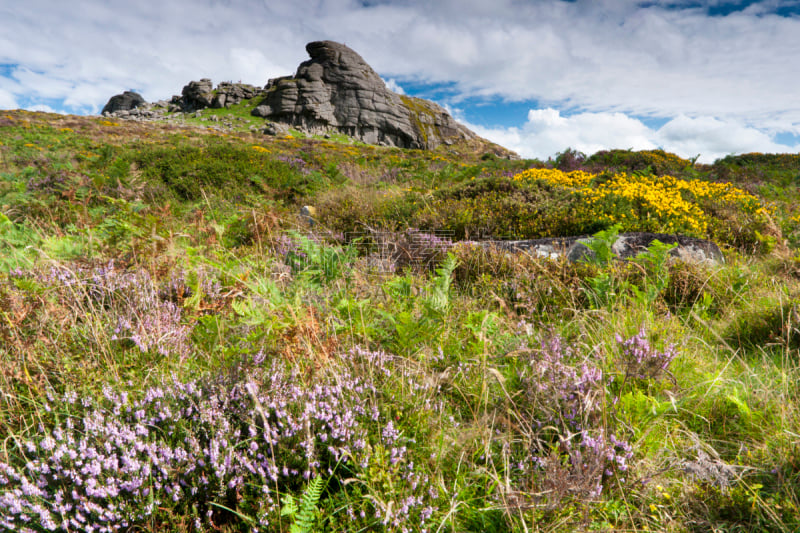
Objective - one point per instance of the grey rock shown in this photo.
(202, 94)
(336, 90)
(261, 111)
(123, 102)
(219, 100)
(627, 246)
(276, 128)
(197, 94)
(308, 212)
(233, 93)
(580, 252)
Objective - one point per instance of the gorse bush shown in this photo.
(544, 202)
(655, 203)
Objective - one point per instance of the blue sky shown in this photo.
(709, 77)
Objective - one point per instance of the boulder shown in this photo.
(228, 94)
(276, 129)
(123, 102)
(197, 95)
(627, 245)
(336, 90)
(201, 94)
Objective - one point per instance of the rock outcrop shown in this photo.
(228, 94)
(123, 102)
(627, 245)
(201, 94)
(196, 95)
(336, 90)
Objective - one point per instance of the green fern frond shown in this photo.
(304, 519)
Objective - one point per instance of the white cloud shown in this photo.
(713, 138)
(250, 65)
(547, 132)
(392, 85)
(7, 100)
(42, 108)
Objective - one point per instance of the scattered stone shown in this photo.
(711, 470)
(123, 102)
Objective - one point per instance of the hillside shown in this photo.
(208, 328)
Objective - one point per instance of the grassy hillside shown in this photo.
(182, 350)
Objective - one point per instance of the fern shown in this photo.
(304, 516)
(601, 243)
(438, 300)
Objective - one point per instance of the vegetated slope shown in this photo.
(182, 350)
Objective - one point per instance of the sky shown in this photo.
(704, 78)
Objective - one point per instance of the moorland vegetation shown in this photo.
(180, 350)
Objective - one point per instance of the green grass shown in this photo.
(479, 390)
(238, 116)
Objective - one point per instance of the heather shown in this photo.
(183, 350)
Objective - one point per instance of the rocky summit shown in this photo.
(337, 90)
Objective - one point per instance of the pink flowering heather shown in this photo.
(109, 463)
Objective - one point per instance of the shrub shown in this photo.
(215, 449)
(644, 202)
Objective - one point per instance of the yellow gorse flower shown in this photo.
(651, 202)
(574, 179)
(654, 196)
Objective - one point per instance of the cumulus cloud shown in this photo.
(713, 138)
(548, 132)
(392, 85)
(85, 51)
